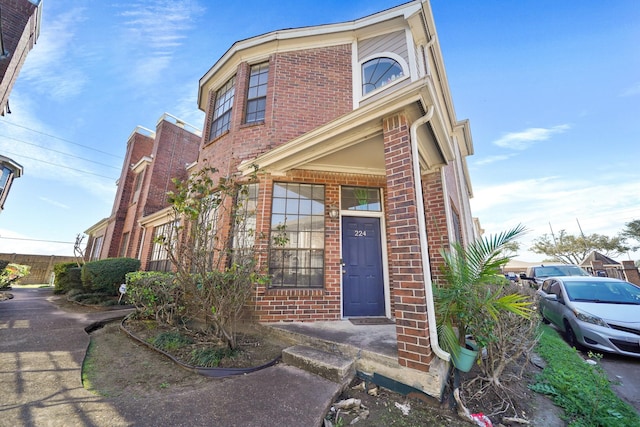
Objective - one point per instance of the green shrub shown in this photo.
(106, 275)
(155, 295)
(66, 277)
(209, 357)
(12, 273)
(170, 341)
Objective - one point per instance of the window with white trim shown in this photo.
(379, 72)
(164, 236)
(221, 116)
(257, 93)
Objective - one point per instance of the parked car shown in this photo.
(511, 276)
(536, 274)
(599, 313)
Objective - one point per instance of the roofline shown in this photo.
(404, 10)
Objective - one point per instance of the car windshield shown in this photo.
(603, 292)
(560, 270)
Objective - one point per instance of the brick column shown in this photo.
(631, 272)
(405, 262)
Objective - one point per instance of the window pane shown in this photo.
(279, 205)
(360, 199)
(379, 72)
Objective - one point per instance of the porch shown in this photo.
(370, 350)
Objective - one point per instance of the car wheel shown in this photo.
(570, 335)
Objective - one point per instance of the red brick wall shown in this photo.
(305, 89)
(273, 305)
(436, 221)
(138, 146)
(412, 328)
(172, 148)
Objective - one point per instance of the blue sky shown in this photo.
(552, 90)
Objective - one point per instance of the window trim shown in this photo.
(379, 55)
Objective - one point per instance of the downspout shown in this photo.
(424, 247)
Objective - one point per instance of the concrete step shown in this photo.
(334, 367)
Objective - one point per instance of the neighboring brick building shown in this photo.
(152, 160)
(19, 30)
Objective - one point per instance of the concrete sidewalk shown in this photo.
(41, 354)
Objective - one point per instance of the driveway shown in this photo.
(624, 373)
(41, 353)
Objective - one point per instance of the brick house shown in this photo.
(152, 159)
(361, 160)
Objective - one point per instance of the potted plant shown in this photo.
(469, 298)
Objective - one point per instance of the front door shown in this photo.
(362, 280)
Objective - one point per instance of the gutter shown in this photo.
(424, 247)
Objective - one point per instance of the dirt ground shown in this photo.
(117, 365)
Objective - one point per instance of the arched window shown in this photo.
(378, 72)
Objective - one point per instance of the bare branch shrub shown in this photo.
(212, 246)
(504, 358)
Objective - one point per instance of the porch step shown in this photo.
(334, 367)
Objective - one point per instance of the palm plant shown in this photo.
(473, 294)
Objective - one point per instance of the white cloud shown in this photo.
(154, 31)
(600, 206)
(48, 67)
(524, 139)
(54, 203)
(492, 159)
(633, 90)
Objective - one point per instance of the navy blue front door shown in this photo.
(362, 281)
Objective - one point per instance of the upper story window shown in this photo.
(221, 120)
(257, 93)
(137, 186)
(379, 72)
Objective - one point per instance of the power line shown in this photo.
(60, 152)
(37, 240)
(61, 139)
(60, 166)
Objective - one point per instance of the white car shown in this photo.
(599, 313)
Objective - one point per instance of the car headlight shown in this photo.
(589, 318)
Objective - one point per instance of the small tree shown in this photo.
(211, 243)
(471, 295)
(632, 231)
(572, 249)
